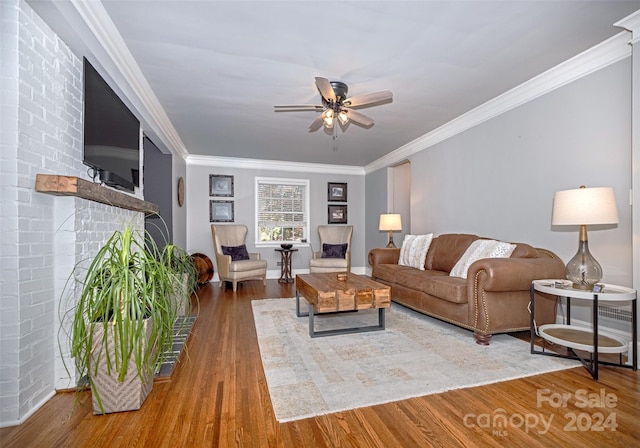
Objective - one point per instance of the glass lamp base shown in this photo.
(583, 270)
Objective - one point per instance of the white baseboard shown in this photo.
(274, 274)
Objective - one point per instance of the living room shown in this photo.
(492, 172)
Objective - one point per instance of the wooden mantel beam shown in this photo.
(74, 186)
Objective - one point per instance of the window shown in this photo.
(282, 210)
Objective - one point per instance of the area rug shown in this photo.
(416, 355)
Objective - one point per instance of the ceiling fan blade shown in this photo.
(316, 124)
(298, 107)
(325, 88)
(359, 118)
(368, 99)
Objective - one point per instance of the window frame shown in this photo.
(307, 208)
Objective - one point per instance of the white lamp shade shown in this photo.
(390, 221)
(584, 206)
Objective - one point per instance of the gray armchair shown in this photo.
(333, 239)
(232, 237)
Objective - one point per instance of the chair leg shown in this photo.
(264, 281)
(235, 285)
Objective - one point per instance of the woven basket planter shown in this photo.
(180, 296)
(108, 393)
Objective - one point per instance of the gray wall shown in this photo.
(498, 178)
(375, 204)
(157, 169)
(179, 213)
(199, 235)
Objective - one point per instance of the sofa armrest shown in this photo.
(383, 255)
(513, 274)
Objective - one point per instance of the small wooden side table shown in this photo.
(590, 340)
(285, 262)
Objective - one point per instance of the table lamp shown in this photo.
(582, 207)
(390, 222)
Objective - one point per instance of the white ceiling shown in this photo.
(218, 67)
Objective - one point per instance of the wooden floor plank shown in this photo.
(218, 397)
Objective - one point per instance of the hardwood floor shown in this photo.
(219, 398)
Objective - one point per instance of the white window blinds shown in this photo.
(282, 209)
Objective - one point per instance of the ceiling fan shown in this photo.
(336, 106)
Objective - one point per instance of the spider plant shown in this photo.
(126, 291)
(185, 276)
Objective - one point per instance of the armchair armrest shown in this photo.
(513, 274)
(254, 256)
(223, 262)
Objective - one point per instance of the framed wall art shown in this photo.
(220, 185)
(220, 211)
(336, 192)
(337, 214)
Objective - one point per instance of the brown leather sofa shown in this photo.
(494, 297)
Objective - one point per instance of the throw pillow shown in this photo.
(334, 250)
(236, 252)
(414, 250)
(481, 249)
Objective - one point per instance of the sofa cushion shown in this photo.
(389, 272)
(447, 249)
(445, 287)
(481, 249)
(417, 280)
(524, 251)
(236, 252)
(414, 250)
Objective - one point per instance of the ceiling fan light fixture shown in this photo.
(343, 117)
(328, 116)
(337, 106)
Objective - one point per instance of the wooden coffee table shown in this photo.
(326, 294)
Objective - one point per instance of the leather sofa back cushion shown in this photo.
(524, 251)
(446, 250)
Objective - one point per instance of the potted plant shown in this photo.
(123, 314)
(184, 277)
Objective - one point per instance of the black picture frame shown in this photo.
(220, 211)
(220, 185)
(336, 191)
(337, 214)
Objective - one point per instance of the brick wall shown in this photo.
(43, 236)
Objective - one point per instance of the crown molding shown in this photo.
(109, 39)
(631, 23)
(274, 165)
(600, 56)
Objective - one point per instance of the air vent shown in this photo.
(614, 313)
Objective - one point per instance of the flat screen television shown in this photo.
(111, 134)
